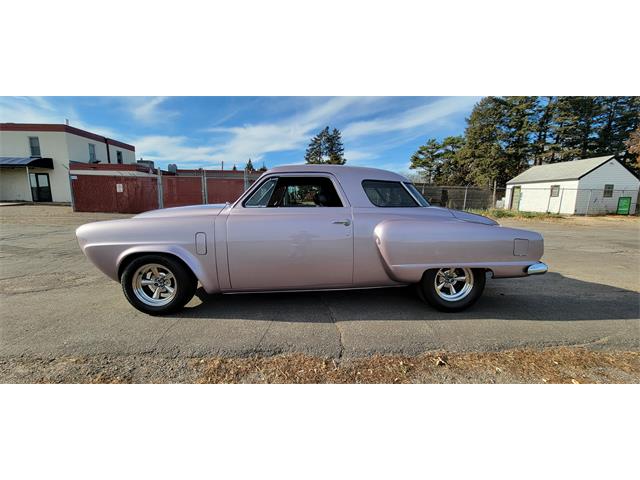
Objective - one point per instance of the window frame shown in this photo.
(607, 190)
(417, 203)
(31, 147)
(557, 187)
(334, 181)
(119, 157)
(92, 152)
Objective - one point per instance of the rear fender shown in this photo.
(408, 247)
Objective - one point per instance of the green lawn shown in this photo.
(499, 213)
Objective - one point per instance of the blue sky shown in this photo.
(205, 131)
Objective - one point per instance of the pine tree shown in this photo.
(249, 166)
(545, 109)
(633, 151)
(620, 117)
(335, 149)
(427, 160)
(517, 130)
(575, 127)
(452, 170)
(326, 147)
(316, 149)
(483, 154)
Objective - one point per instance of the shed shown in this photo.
(596, 185)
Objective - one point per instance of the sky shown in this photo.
(198, 132)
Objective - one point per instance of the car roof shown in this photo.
(343, 172)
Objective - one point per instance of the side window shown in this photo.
(293, 192)
(388, 194)
(34, 146)
(555, 190)
(261, 196)
(608, 191)
(92, 152)
(119, 156)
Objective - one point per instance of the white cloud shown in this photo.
(149, 110)
(29, 110)
(293, 133)
(417, 117)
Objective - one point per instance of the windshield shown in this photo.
(418, 196)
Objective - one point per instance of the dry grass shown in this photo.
(554, 365)
(551, 365)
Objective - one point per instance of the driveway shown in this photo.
(54, 302)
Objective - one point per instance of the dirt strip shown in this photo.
(552, 365)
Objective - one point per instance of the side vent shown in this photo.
(201, 243)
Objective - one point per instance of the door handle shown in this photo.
(346, 223)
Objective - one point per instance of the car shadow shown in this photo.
(550, 297)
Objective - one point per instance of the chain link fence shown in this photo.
(560, 200)
(462, 198)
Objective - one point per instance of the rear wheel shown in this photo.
(158, 284)
(452, 289)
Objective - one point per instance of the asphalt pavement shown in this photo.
(53, 302)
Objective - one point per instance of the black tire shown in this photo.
(184, 284)
(428, 292)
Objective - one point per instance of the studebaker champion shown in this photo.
(310, 227)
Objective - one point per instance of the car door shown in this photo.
(293, 231)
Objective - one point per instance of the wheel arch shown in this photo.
(206, 274)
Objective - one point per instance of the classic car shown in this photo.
(310, 227)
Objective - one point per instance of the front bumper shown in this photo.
(537, 269)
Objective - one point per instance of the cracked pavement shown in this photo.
(53, 302)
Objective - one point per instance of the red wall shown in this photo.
(180, 191)
(221, 190)
(98, 193)
(93, 192)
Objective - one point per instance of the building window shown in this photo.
(119, 156)
(92, 153)
(555, 190)
(608, 191)
(34, 145)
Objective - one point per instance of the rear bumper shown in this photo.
(537, 269)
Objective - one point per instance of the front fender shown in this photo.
(208, 280)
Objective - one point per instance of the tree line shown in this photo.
(506, 135)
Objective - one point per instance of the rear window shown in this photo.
(388, 194)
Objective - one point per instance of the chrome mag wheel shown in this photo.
(453, 284)
(154, 285)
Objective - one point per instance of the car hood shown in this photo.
(191, 210)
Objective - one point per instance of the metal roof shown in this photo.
(560, 171)
(26, 162)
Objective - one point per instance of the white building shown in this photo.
(34, 159)
(590, 186)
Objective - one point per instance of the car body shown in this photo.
(361, 228)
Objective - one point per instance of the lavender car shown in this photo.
(310, 227)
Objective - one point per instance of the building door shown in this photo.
(515, 198)
(40, 187)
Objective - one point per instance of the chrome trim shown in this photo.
(537, 269)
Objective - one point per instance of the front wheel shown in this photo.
(158, 284)
(452, 289)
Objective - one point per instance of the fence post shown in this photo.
(495, 184)
(464, 202)
(160, 189)
(588, 203)
(205, 194)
